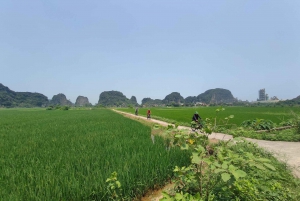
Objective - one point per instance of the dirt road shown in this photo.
(288, 152)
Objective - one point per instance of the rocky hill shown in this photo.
(60, 99)
(212, 96)
(294, 101)
(82, 101)
(9, 98)
(148, 102)
(216, 96)
(191, 100)
(172, 98)
(133, 100)
(115, 99)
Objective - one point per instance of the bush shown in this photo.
(288, 122)
(65, 108)
(258, 124)
(49, 108)
(298, 127)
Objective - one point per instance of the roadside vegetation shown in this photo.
(227, 170)
(266, 123)
(184, 114)
(232, 170)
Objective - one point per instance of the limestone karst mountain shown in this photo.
(82, 101)
(10, 98)
(115, 99)
(60, 99)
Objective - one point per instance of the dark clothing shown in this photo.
(196, 117)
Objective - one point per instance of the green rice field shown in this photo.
(184, 114)
(68, 155)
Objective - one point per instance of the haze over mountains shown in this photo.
(10, 98)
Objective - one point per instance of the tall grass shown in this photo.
(67, 155)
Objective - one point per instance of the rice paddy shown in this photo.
(68, 155)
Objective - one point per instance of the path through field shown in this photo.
(288, 152)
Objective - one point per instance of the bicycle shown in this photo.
(148, 116)
(196, 125)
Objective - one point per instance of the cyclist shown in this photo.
(148, 114)
(196, 117)
(196, 124)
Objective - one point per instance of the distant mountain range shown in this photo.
(212, 96)
(9, 98)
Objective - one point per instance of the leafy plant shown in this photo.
(113, 187)
(258, 124)
(65, 107)
(226, 171)
(288, 122)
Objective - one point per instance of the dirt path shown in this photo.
(288, 152)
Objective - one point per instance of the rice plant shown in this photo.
(67, 155)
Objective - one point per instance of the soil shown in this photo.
(157, 194)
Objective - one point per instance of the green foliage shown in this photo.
(113, 187)
(227, 171)
(50, 108)
(298, 128)
(258, 124)
(288, 122)
(65, 108)
(224, 172)
(290, 103)
(282, 135)
(183, 115)
(69, 155)
(296, 121)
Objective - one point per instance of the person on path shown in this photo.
(148, 114)
(136, 111)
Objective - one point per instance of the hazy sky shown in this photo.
(150, 48)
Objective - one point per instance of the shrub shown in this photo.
(258, 124)
(65, 108)
(288, 122)
(49, 108)
(298, 127)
